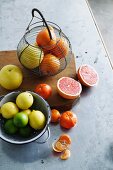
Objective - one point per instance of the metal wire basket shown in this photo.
(41, 59)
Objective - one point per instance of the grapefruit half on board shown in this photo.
(87, 75)
(69, 88)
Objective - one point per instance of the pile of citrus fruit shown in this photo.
(45, 53)
(20, 118)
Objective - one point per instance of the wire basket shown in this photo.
(44, 49)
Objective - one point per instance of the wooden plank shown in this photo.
(31, 80)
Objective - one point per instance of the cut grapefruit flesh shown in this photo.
(87, 75)
(69, 88)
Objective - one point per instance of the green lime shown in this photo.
(25, 131)
(9, 127)
(20, 119)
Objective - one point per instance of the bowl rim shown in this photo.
(38, 135)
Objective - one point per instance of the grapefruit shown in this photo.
(87, 75)
(31, 57)
(69, 88)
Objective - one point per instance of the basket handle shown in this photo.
(48, 136)
(43, 19)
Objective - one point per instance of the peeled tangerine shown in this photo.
(31, 57)
(62, 146)
(66, 154)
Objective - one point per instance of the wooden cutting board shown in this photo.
(30, 80)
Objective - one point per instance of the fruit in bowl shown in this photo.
(24, 100)
(9, 109)
(24, 127)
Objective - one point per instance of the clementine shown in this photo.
(68, 119)
(55, 115)
(65, 138)
(50, 65)
(61, 48)
(43, 38)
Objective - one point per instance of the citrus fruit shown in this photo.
(24, 100)
(31, 57)
(27, 111)
(68, 120)
(65, 138)
(43, 90)
(25, 131)
(54, 148)
(55, 115)
(60, 146)
(68, 88)
(20, 119)
(37, 120)
(9, 127)
(11, 77)
(50, 65)
(65, 154)
(0, 111)
(61, 48)
(43, 38)
(87, 75)
(9, 109)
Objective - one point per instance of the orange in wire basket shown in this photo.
(43, 38)
(61, 48)
(50, 65)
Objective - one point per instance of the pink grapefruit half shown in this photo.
(69, 88)
(87, 75)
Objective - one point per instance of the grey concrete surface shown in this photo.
(92, 138)
(103, 12)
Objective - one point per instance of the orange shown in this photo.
(50, 65)
(65, 155)
(87, 75)
(60, 145)
(43, 90)
(54, 147)
(43, 38)
(65, 138)
(68, 120)
(69, 88)
(55, 115)
(61, 48)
